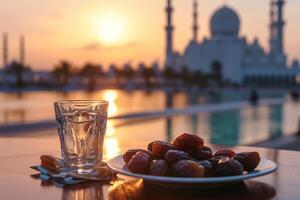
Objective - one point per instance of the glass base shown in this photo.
(82, 168)
(81, 171)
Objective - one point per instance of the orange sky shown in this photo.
(71, 29)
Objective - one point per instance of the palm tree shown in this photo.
(91, 72)
(62, 73)
(18, 69)
(128, 72)
(148, 74)
(169, 74)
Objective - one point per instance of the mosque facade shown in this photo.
(230, 55)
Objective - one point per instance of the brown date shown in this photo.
(131, 152)
(208, 170)
(188, 142)
(149, 147)
(139, 163)
(206, 148)
(173, 156)
(201, 154)
(224, 152)
(249, 160)
(158, 168)
(214, 160)
(159, 149)
(51, 163)
(228, 167)
(187, 168)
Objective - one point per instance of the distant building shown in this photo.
(8, 73)
(231, 55)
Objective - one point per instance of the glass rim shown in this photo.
(101, 102)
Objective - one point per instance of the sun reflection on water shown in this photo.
(111, 143)
(111, 147)
(110, 129)
(111, 96)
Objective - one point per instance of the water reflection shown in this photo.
(169, 122)
(276, 121)
(111, 96)
(14, 115)
(38, 105)
(242, 126)
(193, 100)
(225, 128)
(111, 146)
(110, 129)
(169, 125)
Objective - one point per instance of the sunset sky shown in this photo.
(118, 31)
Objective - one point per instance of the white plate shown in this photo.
(265, 167)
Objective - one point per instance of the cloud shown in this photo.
(96, 46)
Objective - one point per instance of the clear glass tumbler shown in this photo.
(81, 127)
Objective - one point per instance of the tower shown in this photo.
(22, 49)
(277, 28)
(169, 33)
(272, 27)
(5, 50)
(195, 21)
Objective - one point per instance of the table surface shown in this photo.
(17, 180)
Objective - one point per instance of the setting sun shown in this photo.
(111, 29)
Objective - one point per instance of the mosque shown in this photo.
(230, 55)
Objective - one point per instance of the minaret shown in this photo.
(5, 50)
(169, 33)
(272, 27)
(22, 49)
(277, 27)
(195, 21)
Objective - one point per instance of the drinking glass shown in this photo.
(81, 127)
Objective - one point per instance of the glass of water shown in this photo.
(81, 127)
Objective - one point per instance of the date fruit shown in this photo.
(188, 142)
(206, 148)
(149, 147)
(173, 156)
(214, 160)
(228, 167)
(158, 168)
(224, 152)
(249, 160)
(131, 152)
(208, 170)
(139, 163)
(201, 154)
(159, 149)
(51, 163)
(187, 168)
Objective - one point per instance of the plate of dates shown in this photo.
(188, 162)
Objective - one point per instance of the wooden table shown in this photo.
(17, 180)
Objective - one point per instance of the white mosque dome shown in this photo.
(225, 22)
